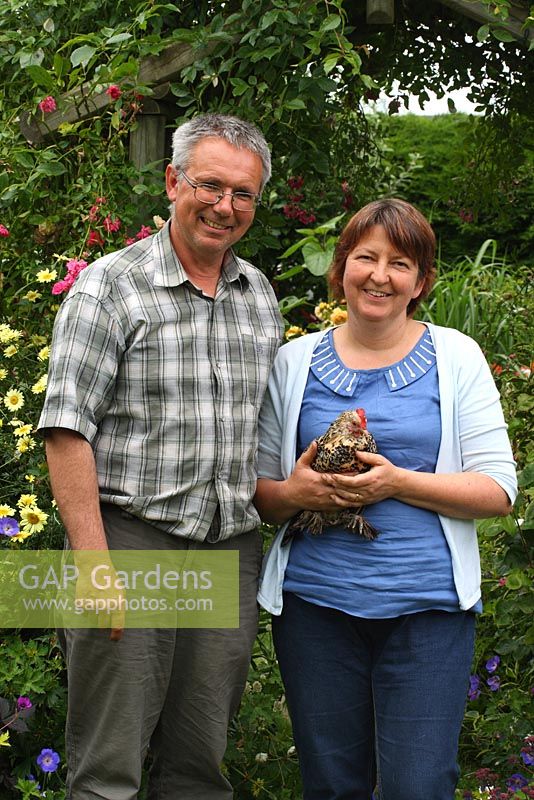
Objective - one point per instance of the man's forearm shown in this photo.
(75, 487)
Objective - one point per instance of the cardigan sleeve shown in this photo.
(484, 443)
(271, 428)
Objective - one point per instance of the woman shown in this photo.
(375, 638)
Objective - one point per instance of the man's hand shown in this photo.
(98, 590)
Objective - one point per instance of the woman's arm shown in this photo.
(279, 500)
(465, 495)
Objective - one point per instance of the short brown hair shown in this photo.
(406, 228)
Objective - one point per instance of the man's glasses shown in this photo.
(210, 194)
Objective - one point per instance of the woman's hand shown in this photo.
(464, 495)
(278, 501)
(379, 483)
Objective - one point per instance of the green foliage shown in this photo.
(475, 177)
(32, 667)
(300, 71)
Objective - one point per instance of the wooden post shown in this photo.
(148, 140)
(380, 12)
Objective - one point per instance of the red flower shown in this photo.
(143, 232)
(94, 239)
(48, 104)
(4, 231)
(113, 91)
(111, 225)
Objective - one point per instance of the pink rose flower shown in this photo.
(3, 231)
(113, 91)
(48, 104)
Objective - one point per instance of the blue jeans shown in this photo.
(375, 701)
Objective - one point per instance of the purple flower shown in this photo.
(528, 757)
(516, 782)
(492, 663)
(9, 526)
(48, 760)
(494, 683)
(474, 687)
(23, 703)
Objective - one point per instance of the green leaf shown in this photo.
(82, 55)
(331, 23)
(239, 86)
(297, 246)
(451, 106)
(483, 32)
(289, 273)
(51, 168)
(61, 65)
(290, 302)
(525, 478)
(330, 62)
(119, 37)
(295, 105)
(316, 259)
(503, 35)
(41, 77)
(516, 579)
(268, 19)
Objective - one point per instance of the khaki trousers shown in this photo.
(171, 691)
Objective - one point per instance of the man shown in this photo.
(160, 359)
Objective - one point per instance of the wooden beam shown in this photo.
(380, 12)
(481, 13)
(83, 103)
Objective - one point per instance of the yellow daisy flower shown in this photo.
(27, 500)
(23, 430)
(40, 386)
(43, 353)
(38, 341)
(32, 296)
(25, 443)
(33, 520)
(8, 334)
(6, 511)
(13, 400)
(30, 478)
(10, 351)
(46, 275)
(3, 373)
(20, 536)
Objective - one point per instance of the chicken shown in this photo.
(337, 451)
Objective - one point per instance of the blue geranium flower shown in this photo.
(8, 526)
(494, 683)
(474, 687)
(492, 663)
(48, 760)
(516, 782)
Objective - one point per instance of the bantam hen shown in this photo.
(337, 451)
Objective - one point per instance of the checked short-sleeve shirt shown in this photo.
(166, 384)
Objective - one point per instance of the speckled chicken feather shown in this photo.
(337, 451)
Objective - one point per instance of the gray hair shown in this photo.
(235, 131)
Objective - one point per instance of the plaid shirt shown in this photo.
(166, 384)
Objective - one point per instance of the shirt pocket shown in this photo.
(258, 353)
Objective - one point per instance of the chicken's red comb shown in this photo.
(363, 417)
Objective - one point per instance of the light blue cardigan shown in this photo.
(473, 439)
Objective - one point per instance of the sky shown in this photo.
(434, 106)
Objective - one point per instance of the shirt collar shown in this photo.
(168, 269)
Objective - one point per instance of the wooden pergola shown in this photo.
(148, 141)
